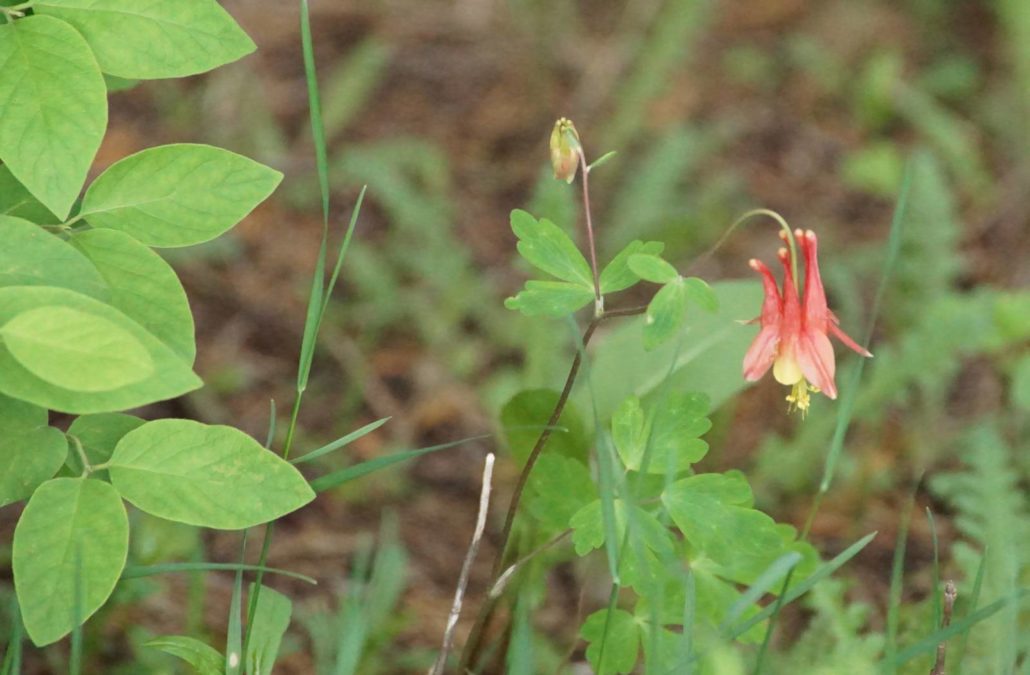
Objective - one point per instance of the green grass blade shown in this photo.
(315, 107)
(929, 644)
(849, 393)
(12, 658)
(937, 589)
(340, 442)
(689, 613)
(138, 571)
(234, 632)
(75, 655)
(808, 584)
(765, 581)
(960, 651)
(342, 476)
(354, 625)
(897, 582)
(344, 247)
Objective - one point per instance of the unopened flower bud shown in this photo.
(565, 150)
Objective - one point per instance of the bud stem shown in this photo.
(598, 300)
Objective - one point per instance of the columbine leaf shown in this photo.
(211, 476)
(31, 256)
(550, 298)
(715, 513)
(177, 195)
(525, 416)
(547, 247)
(665, 440)
(143, 286)
(652, 268)
(665, 313)
(559, 487)
(146, 40)
(617, 275)
(55, 108)
(71, 527)
(701, 293)
(614, 641)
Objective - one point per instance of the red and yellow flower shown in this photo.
(795, 329)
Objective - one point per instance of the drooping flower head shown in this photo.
(565, 150)
(795, 328)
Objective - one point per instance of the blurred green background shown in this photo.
(813, 109)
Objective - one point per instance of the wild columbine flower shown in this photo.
(794, 336)
(565, 150)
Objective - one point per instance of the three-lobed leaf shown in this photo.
(525, 416)
(171, 376)
(650, 267)
(665, 313)
(177, 195)
(76, 350)
(54, 108)
(31, 256)
(143, 286)
(558, 487)
(614, 641)
(667, 439)
(73, 535)
(617, 275)
(31, 451)
(550, 298)
(145, 39)
(211, 476)
(546, 246)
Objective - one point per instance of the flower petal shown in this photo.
(815, 356)
(772, 305)
(848, 342)
(814, 310)
(761, 353)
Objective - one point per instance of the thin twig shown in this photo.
(466, 568)
(502, 581)
(950, 593)
(598, 300)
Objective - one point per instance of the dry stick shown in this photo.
(466, 568)
(950, 593)
(486, 611)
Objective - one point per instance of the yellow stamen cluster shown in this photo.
(799, 398)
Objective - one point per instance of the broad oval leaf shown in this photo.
(271, 619)
(16, 201)
(55, 108)
(76, 350)
(31, 452)
(171, 376)
(143, 286)
(178, 195)
(74, 533)
(211, 476)
(147, 40)
(205, 659)
(99, 434)
(525, 416)
(31, 256)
